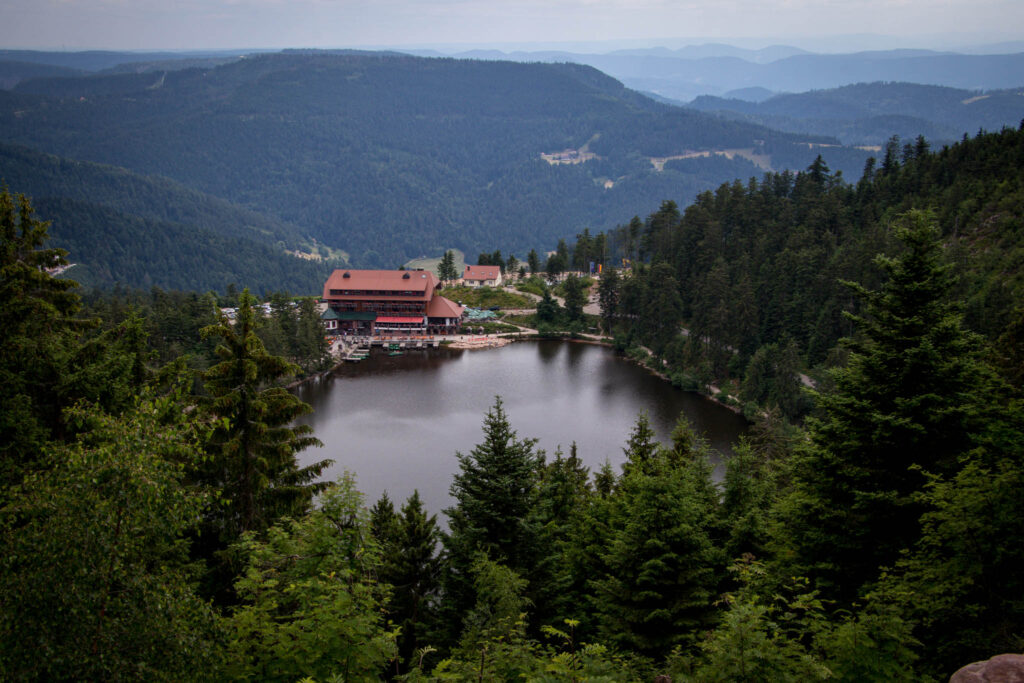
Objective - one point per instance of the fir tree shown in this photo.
(608, 297)
(905, 404)
(493, 491)
(254, 442)
(662, 561)
(36, 312)
(446, 271)
(412, 567)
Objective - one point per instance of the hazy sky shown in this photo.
(197, 24)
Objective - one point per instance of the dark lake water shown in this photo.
(397, 422)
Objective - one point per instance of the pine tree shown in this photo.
(533, 261)
(557, 579)
(446, 271)
(906, 403)
(493, 491)
(574, 299)
(36, 312)
(254, 443)
(412, 567)
(608, 297)
(662, 561)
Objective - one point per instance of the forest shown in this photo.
(155, 523)
(389, 157)
(122, 228)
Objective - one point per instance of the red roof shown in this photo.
(440, 307)
(481, 273)
(381, 284)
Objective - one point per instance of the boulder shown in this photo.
(999, 669)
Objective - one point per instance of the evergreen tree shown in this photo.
(557, 580)
(253, 443)
(574, 299)
(311, 604)
(97, 582)
(906, 403)
(446, 271)
(662, 561)
(533, 261)
(412, 567)
(961, 582)
(493, 491)
(36, 312)
(642, 445)
(548, 310)
(608, 297)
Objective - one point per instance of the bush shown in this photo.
(532, 285)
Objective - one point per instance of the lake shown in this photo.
(397, 422)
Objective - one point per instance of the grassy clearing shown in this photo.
(532, 285)
(431, 263)
(485, 297)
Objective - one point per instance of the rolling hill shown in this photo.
(120, 227)
(869, 113)
(391, 157)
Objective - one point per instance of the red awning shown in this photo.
(401, 320)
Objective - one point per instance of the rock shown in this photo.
(999, 669)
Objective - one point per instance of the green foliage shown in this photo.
(446, 271)
(35, 319)
(961, 581)
(532, 285)
(97, 581)
(749, 492)
(412, 567)
(661, 561)
(124, 228)
(608, 297)
(575, 298)
(548, 311)
(253, 443)
(493, 491)
(908, 399)
(310, 603)
(486, 297)
(772, 379)
(558, 577)
(783, 633)
(387, 156)
(294, 330)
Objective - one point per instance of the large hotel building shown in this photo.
(366, 302)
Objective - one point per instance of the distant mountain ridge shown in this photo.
(869, 113)
(392, 157)
(714, 70)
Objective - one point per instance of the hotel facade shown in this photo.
(400, 302)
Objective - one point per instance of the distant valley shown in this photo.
(391, 157)
(373, 159)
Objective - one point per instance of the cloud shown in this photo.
(152, 24)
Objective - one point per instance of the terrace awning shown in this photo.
(357, 315)
(400, 320)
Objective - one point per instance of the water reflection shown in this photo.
(397, 422)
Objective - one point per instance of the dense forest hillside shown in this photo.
(121, 227)
(100, 60)
(870, 113)
(393, 157)
(12, 72)
(755, 271)
(155, 521)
